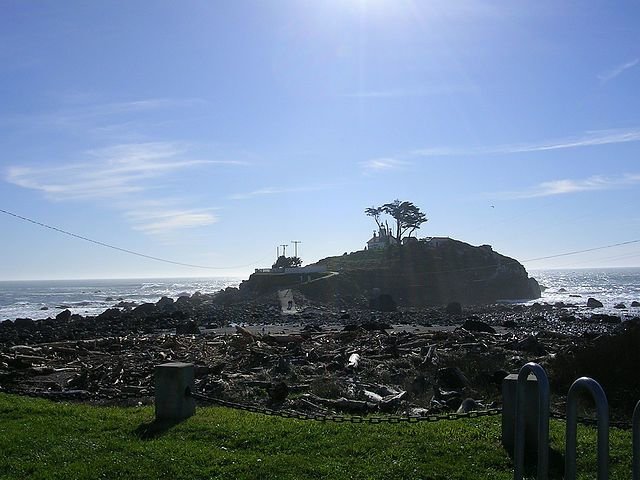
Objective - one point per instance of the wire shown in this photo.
(113, 247)
(582, 251)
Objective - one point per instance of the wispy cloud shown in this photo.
(85, 114)
(127, 175)
(589, 139)
(278, 191)
(160, 221)
(568, 186)
(619, 69)
(108, 172)
(383, 164)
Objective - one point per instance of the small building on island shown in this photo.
(382, 239)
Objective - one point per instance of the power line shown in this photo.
(582, 251)
(124, 250)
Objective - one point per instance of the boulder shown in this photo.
(109, 314)
(475, 325)
(620, 306)
(24, 323)
(635, 304)
(593, 303)
(145, 309)
(165, 303)
(64, 316)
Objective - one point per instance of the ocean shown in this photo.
(610, 286)
(41, 299)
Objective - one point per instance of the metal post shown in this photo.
(636, 442)
(174, 382)
(602, 410)
(543, 421)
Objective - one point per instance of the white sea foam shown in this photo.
(41, 299)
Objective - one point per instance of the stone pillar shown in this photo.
(531, 414)
(174, 382)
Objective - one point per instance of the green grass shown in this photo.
(44, 440)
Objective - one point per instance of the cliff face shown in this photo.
(418, 275)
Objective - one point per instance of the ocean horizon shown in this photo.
(38, 299)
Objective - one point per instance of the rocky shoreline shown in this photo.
(414, 360)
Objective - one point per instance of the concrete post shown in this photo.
(531, 415)
(173, 383)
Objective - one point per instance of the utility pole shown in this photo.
(277, 252)
(284, 250)
(295, 246)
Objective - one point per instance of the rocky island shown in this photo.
(421, 273)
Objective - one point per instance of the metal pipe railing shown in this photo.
(636, 442)
(543, 421)
(602, 409)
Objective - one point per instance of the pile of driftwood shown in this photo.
(363, 368)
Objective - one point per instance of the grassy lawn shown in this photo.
(40, 439)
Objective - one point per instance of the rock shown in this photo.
(545, 307)
(64, 316)
(44, 308)
(635, 304)
(562, 290)
(620, 306)
(454, 308)
(559, 305)
(530, 344)
(109, 314)
(474, 325)
(24, 323)
(575, 295)
(165, 303)
(187, 328)
(109, 299)
(535, 290)
(509, 324)
(145, 309)
(593, 303)
(452, 377)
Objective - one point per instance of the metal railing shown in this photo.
(602, 409)
(543, 421)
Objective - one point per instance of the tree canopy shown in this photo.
(287, 262)
(408, 217)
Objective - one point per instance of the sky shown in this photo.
(208, 133)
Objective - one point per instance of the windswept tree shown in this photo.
(375, 212)
(408, 217)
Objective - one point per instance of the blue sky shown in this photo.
(210, 132)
